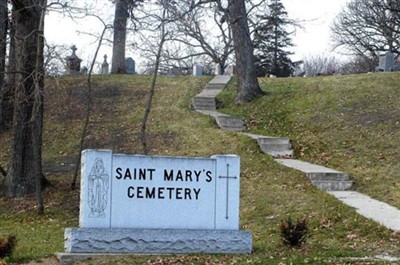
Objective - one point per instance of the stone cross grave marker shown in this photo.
(158, 204)
(73, 62)
(105, 66)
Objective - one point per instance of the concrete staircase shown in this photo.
(279, 148)
(334, 182)
(205, 103)
(206, 99)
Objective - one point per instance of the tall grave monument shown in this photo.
(158, 205)
(73, 62)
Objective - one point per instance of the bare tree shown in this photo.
(88, 103)
(25, 159)
(37, 113)
(320, 64)
(365, 28)
(54, 59)
(359, 64)
(234, 12)
(157, 24)
(204, 31)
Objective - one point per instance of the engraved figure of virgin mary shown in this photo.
(98, 189)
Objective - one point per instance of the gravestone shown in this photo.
(105, 66)
(84, 70)
(386, 62)
(197, 70)
(218, 69)
(230, 70)
(156, 204)
(73, 62)
(130, 66)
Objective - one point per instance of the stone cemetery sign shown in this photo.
(158, 204)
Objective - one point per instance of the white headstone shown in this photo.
(197, 70)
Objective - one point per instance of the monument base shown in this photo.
(156, 241)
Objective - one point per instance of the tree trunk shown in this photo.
(248, 87)
(3, 46)
(120, 20)
(26, 146)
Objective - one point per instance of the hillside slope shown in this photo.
(319, 114)
(350, 123)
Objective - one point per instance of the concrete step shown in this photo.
(212, 113)
(230, 123)
(286, 154)
(261, 139)
(220, 79)
(204, 103)
(272, 140)
(328, 176)
(215, 86)
(275, 147)
(322, 177)
(333, 185)
(204, 99)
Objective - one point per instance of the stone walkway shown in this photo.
(334, 182)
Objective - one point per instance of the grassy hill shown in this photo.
(350, 123)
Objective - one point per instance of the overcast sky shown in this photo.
(312, 39)
(317, 15)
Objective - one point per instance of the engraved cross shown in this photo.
(228, 178)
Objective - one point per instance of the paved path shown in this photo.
(334, 182)
(378, 211)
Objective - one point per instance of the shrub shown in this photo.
(7, 246)
(294, 233)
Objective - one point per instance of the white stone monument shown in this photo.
(155, 204)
